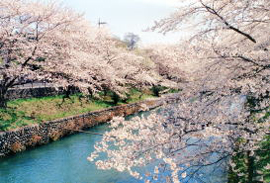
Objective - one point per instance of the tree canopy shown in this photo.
(224, 105)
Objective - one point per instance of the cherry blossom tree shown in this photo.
(30, 39)
(115, 68)
(222, 111)
(46, 41)
(175, 62)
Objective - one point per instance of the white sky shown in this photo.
(162, 2)
(125, 16)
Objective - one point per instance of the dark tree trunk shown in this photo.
(250, 166)
(67, 94)
(3, 103)
(3, 98)
(105, 92)
(90, 93)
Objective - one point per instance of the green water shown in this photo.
(65, 161)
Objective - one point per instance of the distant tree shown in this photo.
(174, 62)
(132, 40)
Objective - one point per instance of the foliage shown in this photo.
(240, 166)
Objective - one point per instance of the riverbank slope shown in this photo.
(18, 140)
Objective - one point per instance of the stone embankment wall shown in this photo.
(19, 140)
(35, 92)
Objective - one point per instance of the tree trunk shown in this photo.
(250, 166)
(3, 99)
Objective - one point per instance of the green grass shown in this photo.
(24, 112)
(136, 95)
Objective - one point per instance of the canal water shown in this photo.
(65, 161)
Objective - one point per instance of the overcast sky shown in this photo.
(125, 16)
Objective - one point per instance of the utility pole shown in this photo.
(101, 23)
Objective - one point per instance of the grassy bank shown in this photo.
(23, 112)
